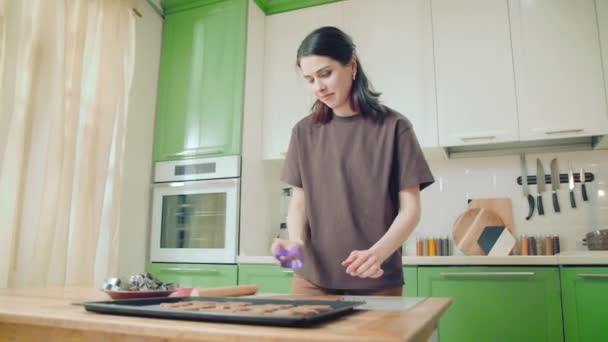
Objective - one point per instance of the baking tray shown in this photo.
(150, 307)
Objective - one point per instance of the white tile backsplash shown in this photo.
(460, 179)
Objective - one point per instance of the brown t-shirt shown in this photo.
(351, 170)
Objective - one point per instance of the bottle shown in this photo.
(284, 204)
(283, 232)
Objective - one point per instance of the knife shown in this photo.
(540, 185)
(571, 186)
(583, 187)
(524, 185)
(555, 183)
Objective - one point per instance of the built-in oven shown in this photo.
(195, 210)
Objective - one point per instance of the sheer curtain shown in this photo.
(65, 75)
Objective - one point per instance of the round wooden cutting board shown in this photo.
(468, 227)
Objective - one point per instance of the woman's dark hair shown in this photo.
(331, 42)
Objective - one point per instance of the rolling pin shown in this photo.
(226, 291)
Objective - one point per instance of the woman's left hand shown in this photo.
(363, 264)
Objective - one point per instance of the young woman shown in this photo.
(357, 170)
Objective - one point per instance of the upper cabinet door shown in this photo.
(394, 43)
(287, 97)
(602, 17)
(476, 101)
(558, 69)
(201, 81)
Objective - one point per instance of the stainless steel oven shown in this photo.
(195, 210)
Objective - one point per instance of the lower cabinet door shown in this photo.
(268, 278)
(410, 278)
(496, 303)
(585, 300)
(195, 275)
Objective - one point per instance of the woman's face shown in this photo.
(329, 81)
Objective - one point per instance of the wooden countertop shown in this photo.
(581, 257)
(50, 314)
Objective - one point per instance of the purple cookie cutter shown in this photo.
(289, 257)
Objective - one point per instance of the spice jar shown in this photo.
(419, 247)
(548, 245)
(432, 247)
(524, 245)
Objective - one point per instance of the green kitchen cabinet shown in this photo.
(201, 81)
(195, 275)
(273, 279)
(496, 303)
(410, 277)
(268, 278)
(585, 301)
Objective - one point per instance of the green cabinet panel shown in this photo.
(585, 300)
(496, 303)
(410, 277)
(172, 6)
(278, 6)
(195, 275)
(268, 278)
(201, 81)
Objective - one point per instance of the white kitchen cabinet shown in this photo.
(558, 68)
(287, 97)
(394, 43)
(602, 17)
(476, 101)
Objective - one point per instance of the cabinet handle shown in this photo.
(190, 270)
(483, 137)
(487, 274)
(196, 152)
(288, 272)
(593, 275)
(564, 131)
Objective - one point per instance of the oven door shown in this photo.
(195, 221)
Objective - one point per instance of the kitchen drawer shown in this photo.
(496, 303)
(268, 278)
(199, 275)
(585, 299)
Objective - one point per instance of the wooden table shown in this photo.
(50, 314)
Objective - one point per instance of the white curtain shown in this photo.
(65, 75)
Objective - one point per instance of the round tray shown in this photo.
(123, 294)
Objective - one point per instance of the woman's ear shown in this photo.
(353, 64)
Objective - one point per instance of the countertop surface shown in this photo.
(564, 258)
(54, 314)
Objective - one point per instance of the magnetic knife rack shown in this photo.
(563, 178)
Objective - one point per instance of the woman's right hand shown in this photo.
(280, 245)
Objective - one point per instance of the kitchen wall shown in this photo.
(456, 181)
(257, 178)
(136, 192)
